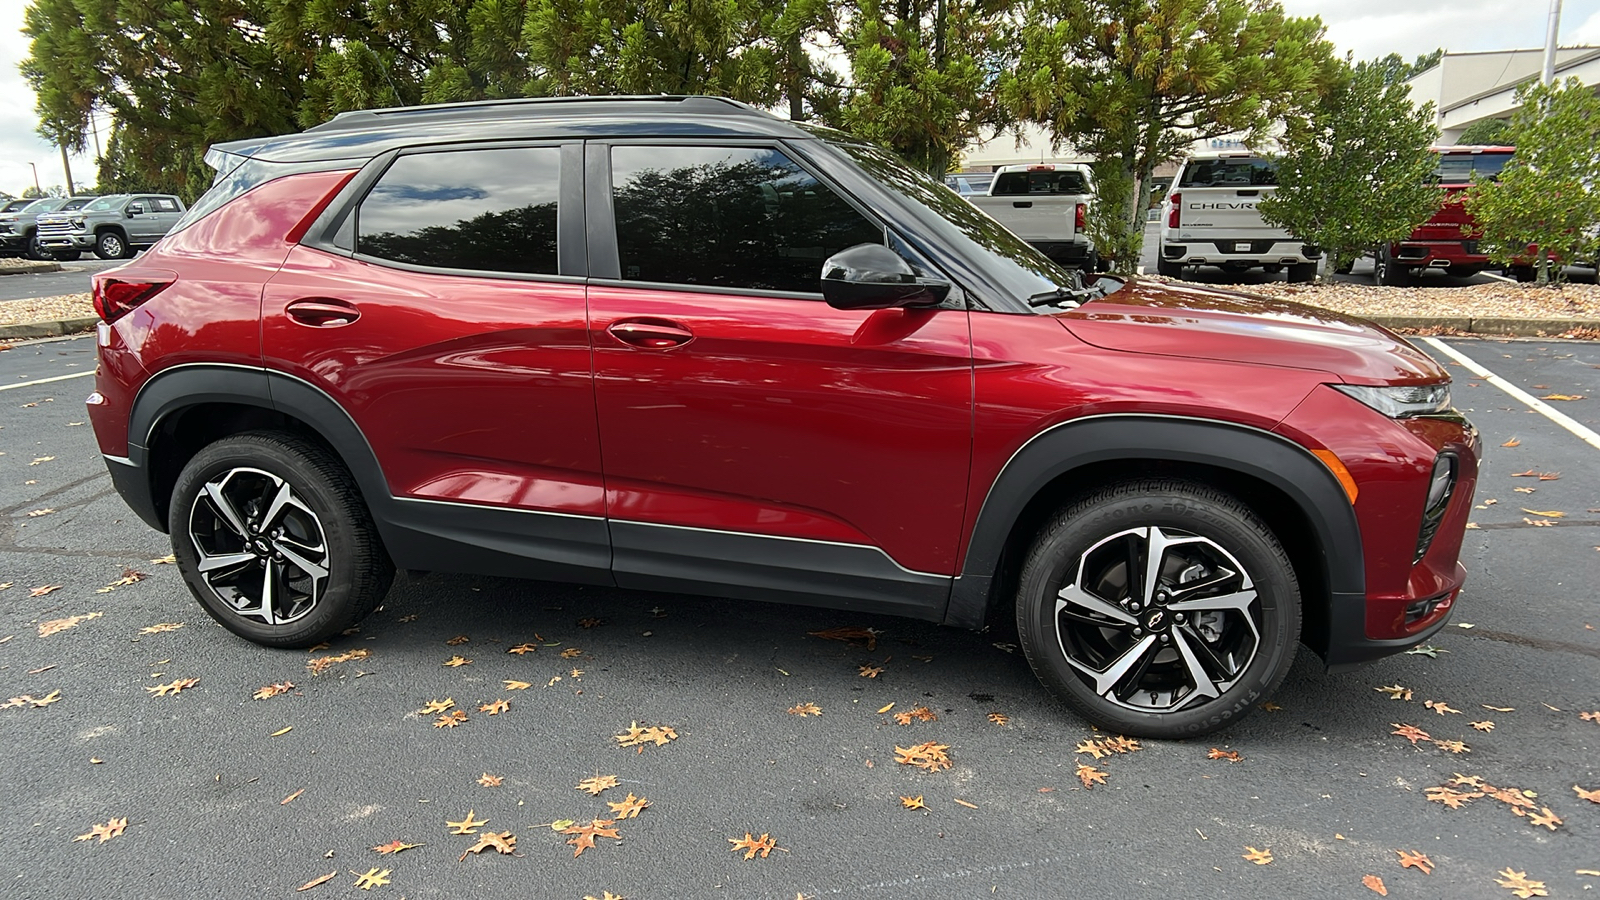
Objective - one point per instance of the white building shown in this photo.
(1470, 87)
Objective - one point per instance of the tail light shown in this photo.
(1078, 218)
(1173, 214)
(116, 297)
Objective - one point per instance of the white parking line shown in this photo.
(1584, 433)
(23, 384)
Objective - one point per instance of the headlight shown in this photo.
(76, 223)
(1400, 402)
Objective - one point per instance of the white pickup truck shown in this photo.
(1209, 218)
(1045, 204)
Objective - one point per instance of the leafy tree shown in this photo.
(1488, 132)
(1548, 196)
(1138, 81)
(924, 75)
(1354, 171)
(1395, 70)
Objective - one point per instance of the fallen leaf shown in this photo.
(456, 662)
(1229, 755)
(918, 714)
(1269, 706)
(451, 719)
(1375, 884)
(1512, 443)
(571, 653)
(521, 649)
(36, 513)
(40, 459)
(273, 690)
(316, 881)
(608, 896)
(999, 718)
(467, 825)
(1547, 513)
(1259, 857)
(488, 780)
(1427, 650)
(514, 685)
(282, 731)
(1452, 746)
(850, 635)
(1591, 796)
(1498, 708)
(289, 799)
(597, 784)
(805, 709)
(501, 842)
(1440, 707)
(172, 687)
(372, 879)
(886, 709)
(1485, 725)
(961, 802)
(752, 846)
(105, 831)
(591, 623)
(869, 671)
(394, 846)
(56, 626)
(320, 664)
(1395, 691)
(585, 834)
(1545, 818)
(636, 736)
(628, 808)
(1518, 883)
(458, 640)
(495, 708)
(1591, 716)
(1410, 732)
(1562, 397)
(1452, 798)
(928, 756)
(161, 628)
(1412, 859)
(436, 706)
(1534, 473)
(1090, 776)
(168, 560)
(913, 802)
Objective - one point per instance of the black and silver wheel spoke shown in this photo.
(1156, 619)
(261, 550)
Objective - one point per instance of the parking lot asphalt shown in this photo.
(72, 279)
(228, 795)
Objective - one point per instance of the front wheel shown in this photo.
(1160, 608)
(32, 249)
(66, 255)
(111, 245)
(272, 536)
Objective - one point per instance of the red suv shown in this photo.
(675, 343)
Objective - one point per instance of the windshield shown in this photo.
(102, 204)
(1245, 171)
(1465, 168)
(75, 203)
(43, 206)
(1024, 271)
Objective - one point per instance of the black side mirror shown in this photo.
(135, 209)
(871, 276)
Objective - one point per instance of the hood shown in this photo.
(1201, 323)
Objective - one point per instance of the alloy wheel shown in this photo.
(1157, 620)
(261, 550)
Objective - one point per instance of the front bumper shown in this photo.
(73, 241)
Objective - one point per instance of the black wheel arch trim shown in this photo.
(1265, 456)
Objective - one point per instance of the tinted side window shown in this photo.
(486, 210)
(737, 217)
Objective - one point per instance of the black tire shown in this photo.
(1302, 273)
(1168, 269)
(1096, 541)
(1387, 272)
(251, 470)
(32, 249)
(66, 255)
(1523, 274)
(1345, 268)
(112, 245)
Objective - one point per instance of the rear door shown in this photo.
(758, 442)
(1218, 201)
(447, 322)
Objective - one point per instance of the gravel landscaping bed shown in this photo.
(1568, 301)
(13, 265)
(46, 309)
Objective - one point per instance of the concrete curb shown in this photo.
(31, 267)
(1488, 325)
(47, 329)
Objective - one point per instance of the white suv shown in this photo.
(1209, 218)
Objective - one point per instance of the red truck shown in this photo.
(1447, 242)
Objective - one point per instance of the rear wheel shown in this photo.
(1169, 269)
(274, 540)
(1523, 274)
(1160, 608)
(1302, 273)
(1345, 267)
(1386, 271)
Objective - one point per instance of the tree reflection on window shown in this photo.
(728, 217)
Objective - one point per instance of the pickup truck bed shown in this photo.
(1044, 205)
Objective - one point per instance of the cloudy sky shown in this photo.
(1369, 28)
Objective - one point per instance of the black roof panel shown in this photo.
(364, 134)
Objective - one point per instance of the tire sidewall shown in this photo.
(102, 251)
(1053, 561)
(336, 610)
